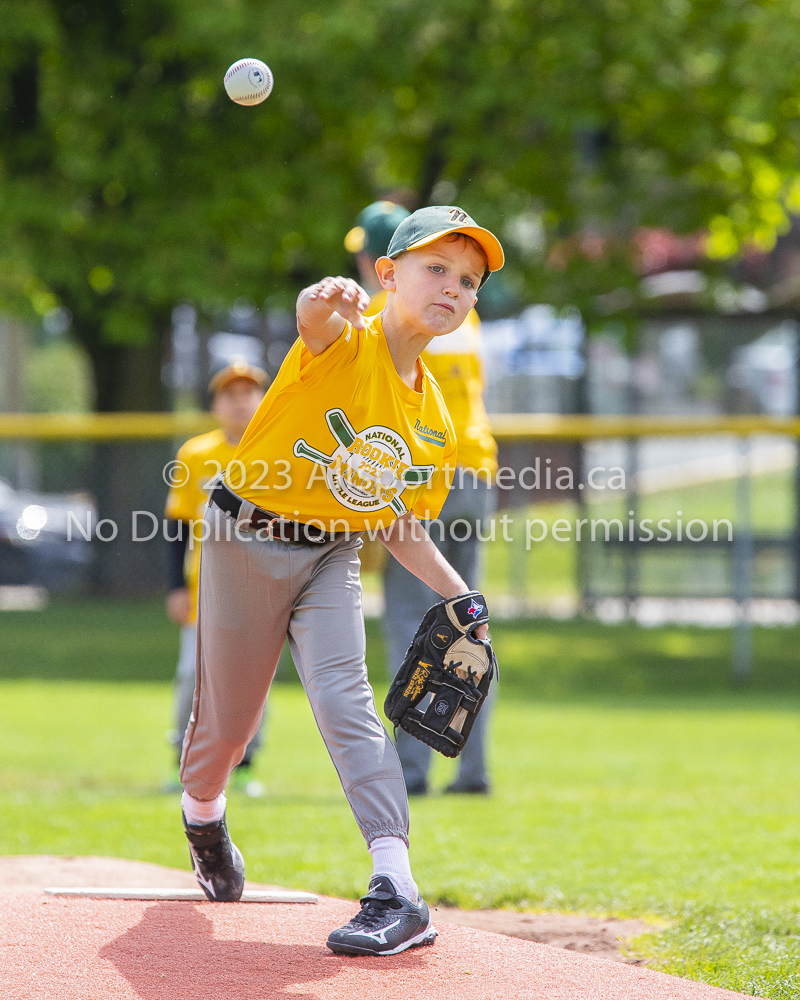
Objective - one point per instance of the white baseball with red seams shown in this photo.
(248, 81)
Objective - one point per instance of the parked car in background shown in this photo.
(35, 544)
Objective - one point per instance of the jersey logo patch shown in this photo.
(474, 609)
(370, 469)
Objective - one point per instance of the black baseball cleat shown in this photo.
(386, 925)
(217, 862)
(472, 788)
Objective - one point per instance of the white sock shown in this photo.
(199, 813)
(390, 857)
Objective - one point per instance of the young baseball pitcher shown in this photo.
(352, 436)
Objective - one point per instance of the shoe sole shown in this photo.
(421, 940)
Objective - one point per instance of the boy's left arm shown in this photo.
(410, 544)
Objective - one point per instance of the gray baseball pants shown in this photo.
(253, 594)
(407, 599)
(183, 687)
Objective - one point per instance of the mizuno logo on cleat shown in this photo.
(379, 936)
(205, 882)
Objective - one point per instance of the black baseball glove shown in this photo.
(445, 676)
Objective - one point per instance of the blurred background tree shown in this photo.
(128, 180)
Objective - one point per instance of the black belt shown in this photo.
(279, 528)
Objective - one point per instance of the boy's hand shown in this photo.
(179, 606)
(343, 296)
(323, 309)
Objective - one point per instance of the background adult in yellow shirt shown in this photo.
(454, 361)
(237, 391)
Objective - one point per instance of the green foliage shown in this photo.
(58, 379)
(128, 180)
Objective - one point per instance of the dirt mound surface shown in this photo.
(591, 935)
(88, 949)
(602, 938)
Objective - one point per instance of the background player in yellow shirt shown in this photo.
(236, 392)
(454, 361)
(352, 435)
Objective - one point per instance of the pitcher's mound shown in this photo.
(600, 937)
(76, 949)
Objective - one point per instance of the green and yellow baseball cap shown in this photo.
(374, 228)
(429, 224)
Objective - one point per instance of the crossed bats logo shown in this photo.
(369, 469)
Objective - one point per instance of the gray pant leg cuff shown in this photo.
(370, 835)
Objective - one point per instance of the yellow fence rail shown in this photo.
(506, 426)
(102, 426)
(579, 426)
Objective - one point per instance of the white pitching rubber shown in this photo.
(184, 895)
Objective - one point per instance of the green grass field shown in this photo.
(631, 779)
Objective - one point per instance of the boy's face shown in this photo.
(235, 404)
(435, 286)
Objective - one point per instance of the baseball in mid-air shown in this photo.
(248, 81)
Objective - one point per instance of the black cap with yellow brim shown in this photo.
(429, 224)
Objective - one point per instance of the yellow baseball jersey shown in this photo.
(454, 360)
(203, 458)
(340, 439)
